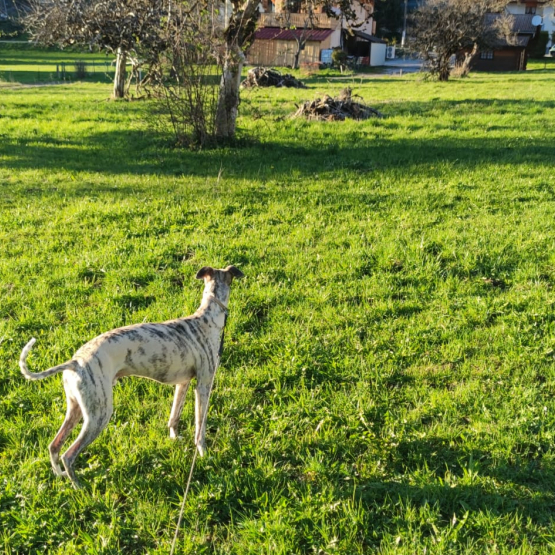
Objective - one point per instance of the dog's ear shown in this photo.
(235, 272)
(207, 271)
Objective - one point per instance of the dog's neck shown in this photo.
(215, 299)
(213, 306)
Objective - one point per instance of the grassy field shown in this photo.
(21, 63)
(388, 379)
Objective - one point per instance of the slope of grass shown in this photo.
(387, 384)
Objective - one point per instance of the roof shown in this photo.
(521, 28)
(520, 41)
(521, 24)
(275, 33)
(369, 38)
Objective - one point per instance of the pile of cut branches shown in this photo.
(336, 109)
(265, 77)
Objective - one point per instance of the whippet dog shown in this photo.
(171, 352)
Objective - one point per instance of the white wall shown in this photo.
(549, 21)
(362, 14)
(377, 54)
(547, 12)
(335, 38)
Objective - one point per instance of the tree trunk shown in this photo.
(241, 26)
(468, 57)
(228, 98)
(296, 59)
(297, 55)
(119, 77)
(444, 68)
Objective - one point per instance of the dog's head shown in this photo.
(218, 282)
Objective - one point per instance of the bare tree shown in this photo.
(239, 34)
(165, 34)
(442, 29)
(149, 29)
(126, 28)
(302, 35)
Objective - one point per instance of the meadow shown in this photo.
(388, 377)
(25, 64)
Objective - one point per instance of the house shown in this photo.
(280, 34)
(544, 9)
(509, 54)
(11, 8)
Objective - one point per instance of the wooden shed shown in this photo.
(509, 54)
(276, 47)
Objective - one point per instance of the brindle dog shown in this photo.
(171, 352)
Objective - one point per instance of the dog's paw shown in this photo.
(76, 483)
(59, 472)
(173, 435)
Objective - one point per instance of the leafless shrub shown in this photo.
(186, 76)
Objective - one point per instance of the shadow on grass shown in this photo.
(51, 77)
(520, 492)
(474, 106)
(482, 503)
(532, 483)
(129, 152)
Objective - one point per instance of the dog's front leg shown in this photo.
(177, 407)
(202, 394)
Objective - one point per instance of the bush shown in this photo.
(541, 45)
(10, 29)
(339, 57)
(187, 79)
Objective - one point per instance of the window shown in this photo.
(486, 55)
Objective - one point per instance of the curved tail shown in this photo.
(70, 365)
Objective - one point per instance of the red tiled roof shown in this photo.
(275, 33)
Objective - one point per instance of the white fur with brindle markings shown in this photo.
(171, 352)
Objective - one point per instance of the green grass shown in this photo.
(388, 378)
(20, 63)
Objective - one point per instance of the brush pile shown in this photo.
(265, 77)
(336, 109)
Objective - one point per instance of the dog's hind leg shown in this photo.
(73, 416)
(177, 407)
(96, 414)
